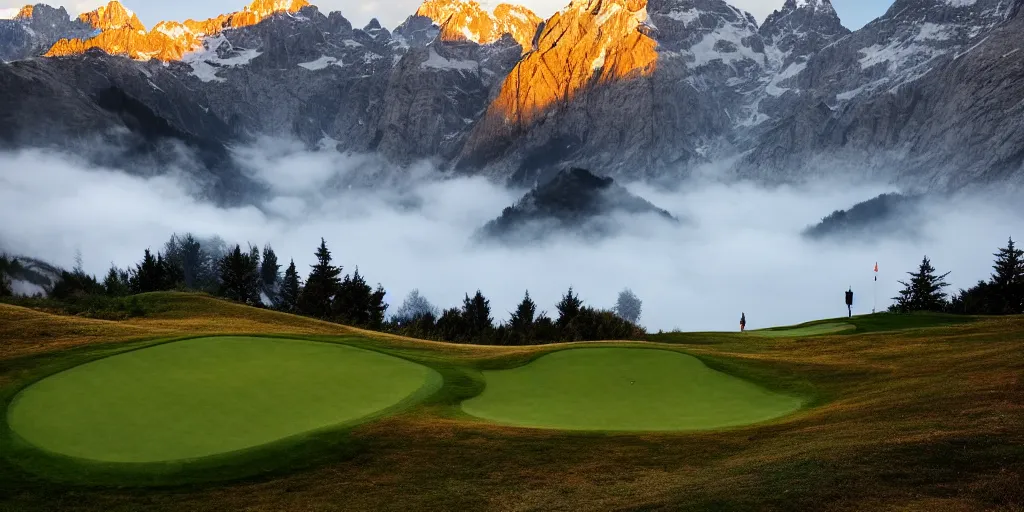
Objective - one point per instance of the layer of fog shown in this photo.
(740, 250)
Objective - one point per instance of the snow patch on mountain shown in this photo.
(436, 61)
(207, 62)
(773, 88)
(322, 63)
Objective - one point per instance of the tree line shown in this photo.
(473, 323)
(1001, 294)
(253, 276)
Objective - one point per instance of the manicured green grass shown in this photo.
(207, 396)
(810, 330)
(623, 389)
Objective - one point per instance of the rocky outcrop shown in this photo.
(927, 96)
(121, 32)
(34, 29)
(466, 20)
(574, 201)
(884, 216)
(589, 44)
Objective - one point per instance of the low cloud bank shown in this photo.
(740, 251)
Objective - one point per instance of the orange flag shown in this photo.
(876, 266)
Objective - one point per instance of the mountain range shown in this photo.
(929, 96)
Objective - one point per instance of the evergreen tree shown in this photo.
(322, 285)
(476, 316)
(1008, 279)
(377, 308)
(117, 282)
(628, 306)
(7, 267)
(568, 308)
(978, 300)
(521, 322)
(290, 290)
(239, 277)
(75, 284)
(148, 275)
(923, 292)
(270, 274)
(352, 304)
(451, 325)
(195, 266)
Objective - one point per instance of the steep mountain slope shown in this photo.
(466, 20)
(928, 95)
(34, 29)
(121, 33)
(630, 87)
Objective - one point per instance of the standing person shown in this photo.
(743, 321)
(849, 302)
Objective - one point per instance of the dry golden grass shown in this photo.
(928, 419)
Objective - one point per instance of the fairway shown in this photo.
(811, 330)
(206, 396)
(622, 389)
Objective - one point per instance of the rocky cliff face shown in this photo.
(121, 32)
(466, 20)
(34, 29)
(927, 95)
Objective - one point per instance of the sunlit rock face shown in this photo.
(121, 32)
(466, 20)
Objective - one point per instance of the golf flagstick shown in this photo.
(874, 292)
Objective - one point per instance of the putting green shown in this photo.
(206, 396)
(623, 389)
(811, 330)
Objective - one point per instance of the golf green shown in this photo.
(620, 389)
(207, 396)
(811, 330)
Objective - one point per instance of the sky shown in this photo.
(854, 13)
(739, 249)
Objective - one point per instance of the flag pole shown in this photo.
(874, 293)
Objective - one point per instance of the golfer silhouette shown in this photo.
(743, 321)
(849, 302)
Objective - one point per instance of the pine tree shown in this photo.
(7, 267)
(116, 284)
(1008, 279)
(185, 254)
(239, 277)
(476, 315)
(148, 275)
(322, 285)
(377, 308)
(924, 291)
(352, 304)
(290, 290)
(270, 274)
(568, 308)
(521, 322)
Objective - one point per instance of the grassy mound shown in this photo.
(207, 396)
(810, 330)
(624, 389)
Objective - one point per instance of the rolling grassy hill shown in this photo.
(902, 413)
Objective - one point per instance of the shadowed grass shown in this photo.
(909, 413)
